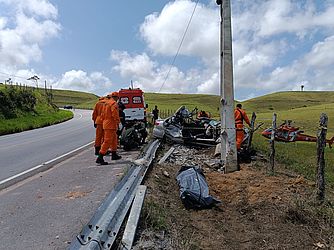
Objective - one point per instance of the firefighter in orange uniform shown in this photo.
(240, 116)
(98, 123)
(110, 125)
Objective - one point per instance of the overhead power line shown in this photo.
(178, 50)
(13, 75)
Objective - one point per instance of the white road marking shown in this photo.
(34, 170)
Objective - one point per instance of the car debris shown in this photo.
(133, 136)
(183, 128)
(165, 157)
(288, 133)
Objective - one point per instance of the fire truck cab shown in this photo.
(135, 107)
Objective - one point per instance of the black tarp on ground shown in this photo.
(194, 190)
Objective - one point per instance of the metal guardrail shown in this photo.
(102, 229)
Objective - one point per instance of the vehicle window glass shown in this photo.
(124, 100)
(136, 99)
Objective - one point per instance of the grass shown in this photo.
(44, 115)
(300, 156)
(171, 102)
(209, 103)
(61, 97)
(74, 98)
(32, 121)
(283, 101)
(155, 216)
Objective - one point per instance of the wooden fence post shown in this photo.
(249, 141)
(272, 144)
(321, 144)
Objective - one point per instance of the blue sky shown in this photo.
(100, 46)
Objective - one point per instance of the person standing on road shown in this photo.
(155, 113)
(98, 123)
(240, 116)
(110, 125)
(121, 108)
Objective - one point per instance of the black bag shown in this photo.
(194, 190)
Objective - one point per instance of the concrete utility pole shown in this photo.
(228, 143)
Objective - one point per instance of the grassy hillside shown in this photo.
(289, 100)
(24, 108)
(172, 102)
(208, 103)
(74, 98)
(300, 156)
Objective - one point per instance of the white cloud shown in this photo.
(80, 80)
(319, 55)
(262, 35)
(42, 8)
(163, 31)
(151, 76)
(21, 36)
(273, 44)
(129, 66)
(211, 85)
(314, 70)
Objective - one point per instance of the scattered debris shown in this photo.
(76, 194)
(319, 245)
(165, 157)
(288, 133)
(165, 173)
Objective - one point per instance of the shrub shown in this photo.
(14, 101)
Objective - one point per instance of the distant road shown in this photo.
(22, 151)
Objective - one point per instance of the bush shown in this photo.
(14, 101)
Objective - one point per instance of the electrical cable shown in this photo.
(13, 75)
(178, 50)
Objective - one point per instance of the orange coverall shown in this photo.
(240, 116)
(97, 118)
(110, 126)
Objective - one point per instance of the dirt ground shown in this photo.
(258, 210)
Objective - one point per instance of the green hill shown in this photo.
(304, 108)
(172, 102)
(23, 108)
(288, 100)
(74, 98)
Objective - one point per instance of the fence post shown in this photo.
(272, 144)
(321, 144)
(250, 138)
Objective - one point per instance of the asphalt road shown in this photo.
(22, 151)
(49, 209)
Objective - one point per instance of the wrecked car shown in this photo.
(183, 128)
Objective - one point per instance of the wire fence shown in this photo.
(48, 93)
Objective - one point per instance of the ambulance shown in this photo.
(135, 106)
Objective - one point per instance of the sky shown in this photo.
(101, 46)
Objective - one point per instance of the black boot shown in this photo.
(100, 160)
(115, 156)
(97, 150)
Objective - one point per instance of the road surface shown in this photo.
(22, 151)
(49, 209)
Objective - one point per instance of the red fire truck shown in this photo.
(133, 99)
